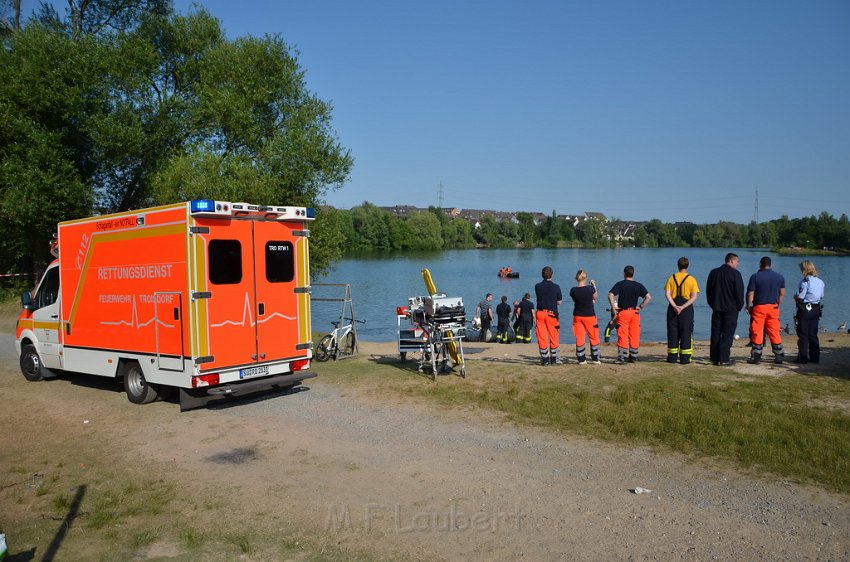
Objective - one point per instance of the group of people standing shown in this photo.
(764, 294)
(725, 294)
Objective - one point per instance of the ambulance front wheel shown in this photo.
(137, 388)
(31, 365)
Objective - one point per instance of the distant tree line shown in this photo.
(367, 227)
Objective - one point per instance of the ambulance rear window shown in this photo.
(280, 262)
(225, 262)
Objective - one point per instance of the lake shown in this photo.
(380, 284)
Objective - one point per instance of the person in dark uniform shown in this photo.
(808, 299)
(623, 298)
(725, 294)
(526, 319)
(485, 313)
(765, 292)
(503, 316)
(681, 292)
(548, 327)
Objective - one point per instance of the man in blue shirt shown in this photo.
(765, 292)
(548, 326)
(808, 298)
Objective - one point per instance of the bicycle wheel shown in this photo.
(348, 343)
(323, 350)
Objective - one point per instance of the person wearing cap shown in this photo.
(765, 292)
(808, 299)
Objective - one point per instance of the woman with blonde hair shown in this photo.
(585, 323)
(808, 299)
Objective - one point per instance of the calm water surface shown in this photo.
(379, 284)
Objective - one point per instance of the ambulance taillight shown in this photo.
(205, 380)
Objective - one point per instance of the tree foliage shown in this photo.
(121, 104)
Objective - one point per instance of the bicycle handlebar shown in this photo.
(336, 323)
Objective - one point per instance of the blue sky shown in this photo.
(675, 110)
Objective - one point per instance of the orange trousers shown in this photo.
(547, 330)
(586, 327)
(765, 316)
(628, 329)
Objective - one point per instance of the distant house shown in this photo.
(596, 216)
(403, 211)
(539, 217)
(573, 218)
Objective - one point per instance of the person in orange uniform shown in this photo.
(585, 323)
(765, 292)
(623, 297)
(548, 328)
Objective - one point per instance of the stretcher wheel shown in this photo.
(463, 372)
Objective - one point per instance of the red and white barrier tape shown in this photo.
(14, 274)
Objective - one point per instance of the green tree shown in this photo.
(592, 233)
(458, 234)
(527, 230)
(371, 229)
(426, 232)
(123, 104)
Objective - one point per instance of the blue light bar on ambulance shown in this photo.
(210, 208)
(202, 206)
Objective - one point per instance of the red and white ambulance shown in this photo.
(210, 297)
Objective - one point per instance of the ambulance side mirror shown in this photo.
(26, 300)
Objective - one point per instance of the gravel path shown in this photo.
(404, 479)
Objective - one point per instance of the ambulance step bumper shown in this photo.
(192, 398)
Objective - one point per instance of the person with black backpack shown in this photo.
(681, 291)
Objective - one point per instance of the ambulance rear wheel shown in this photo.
(138, 390)
(31, 365)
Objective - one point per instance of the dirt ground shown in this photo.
(402, 479)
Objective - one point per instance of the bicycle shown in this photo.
(340, 341)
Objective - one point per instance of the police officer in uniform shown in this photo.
(808, 299)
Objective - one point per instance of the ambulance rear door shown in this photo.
(280, 313)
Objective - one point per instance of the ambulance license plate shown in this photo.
(253, 372)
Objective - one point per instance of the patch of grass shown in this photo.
(763, 423)
(241, 541)
(145, 537)
(193, 539)
(61, 503)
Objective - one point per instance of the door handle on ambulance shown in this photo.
(54, 316)
(254, 356)
(262, 356)
(261, 308)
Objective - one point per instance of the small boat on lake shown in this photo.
(509, 275)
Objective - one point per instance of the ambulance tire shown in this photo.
(137, 388)
(31, 366)
(323, 352)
